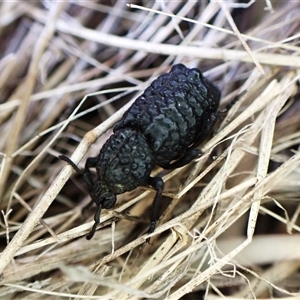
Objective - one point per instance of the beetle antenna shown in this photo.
(97, 221)
(70, 162)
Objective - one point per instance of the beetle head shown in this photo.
(101, 195)
(98, 190)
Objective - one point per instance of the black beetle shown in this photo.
(162, 127)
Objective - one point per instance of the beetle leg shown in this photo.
(158, 184)
(97, 222)
(86, 173)
(91, 162)
(189, 155)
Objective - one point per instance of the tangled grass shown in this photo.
(229, 223)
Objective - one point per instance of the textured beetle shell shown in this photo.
(125, 161)
(166, 123)
(174, 111)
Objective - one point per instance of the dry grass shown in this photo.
(68, 73)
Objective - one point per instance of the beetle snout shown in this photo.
(109, 201)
